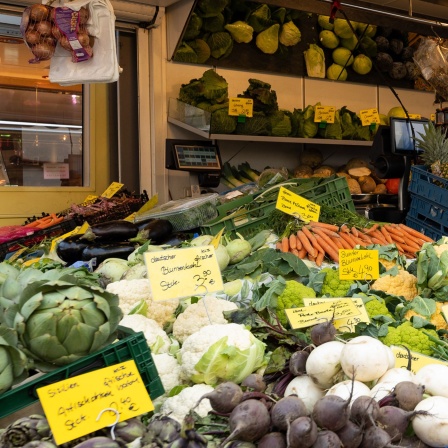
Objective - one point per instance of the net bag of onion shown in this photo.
(44, 27)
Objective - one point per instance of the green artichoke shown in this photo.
(127, 431)
(24, 430)
(61, 320)
(161, 431)
(13, 362)
(40, 444)
(98, 442)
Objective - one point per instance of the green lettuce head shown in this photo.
(290, 35)
(315, 61)
(221, 352)
(240, 31)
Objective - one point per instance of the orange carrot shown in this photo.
(386, 234)
(295, 252)
(344, 242)
(364, 237)
(329, 232)
(324, 225)
(328, 248)
(278, 245)
(320, 258)
(318, 231)
(379, 236)
(292, 241)
(298, 243)
(416, 233)
(410, 249)
(337, 242)
(344, 228)
(348, 239)
(395, 233)
(285, 244)
(302, 253)
(354, 230)
(371, 229)
(306, 243)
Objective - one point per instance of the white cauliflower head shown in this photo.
(169, 370)
(179, 406)
(207, 311)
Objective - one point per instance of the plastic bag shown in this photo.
(431, 57)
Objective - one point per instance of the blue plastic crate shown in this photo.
(427, 185)
(435, 215)
(426, 229)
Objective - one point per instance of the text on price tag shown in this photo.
(346, 324)
(358, 264)
(297, 206)
(175, 273)
(112, 189)
(369, 116)
(417, 359)
(241, 106)
(324, 114)
(85, 403)
(306, 316)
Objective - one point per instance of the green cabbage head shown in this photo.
(240, 31)
(290, 34)
(221, 352)
(267, 40)
(60, 321)
(315, 61)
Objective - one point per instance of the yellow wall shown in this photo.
(19, 203)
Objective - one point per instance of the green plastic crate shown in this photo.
(244, 216)
(130, 345)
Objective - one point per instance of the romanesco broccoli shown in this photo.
(376, 307)
(412, 338)
(332, 285)
(292, 297)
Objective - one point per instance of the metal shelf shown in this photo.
(266, 139)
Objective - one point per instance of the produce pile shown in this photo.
(234, 371)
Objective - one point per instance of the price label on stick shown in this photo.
(307, 316)
(175, 273)
(324, 114)
(86, 403)
(241, 106)
(297, 206)
(358, 264)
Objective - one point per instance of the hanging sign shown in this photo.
(175, 273)
(358, 264)
(86, 403)
(297, 206)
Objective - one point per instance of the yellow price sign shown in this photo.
(346, 324)
(86, 403)
(91, 198)
(417, 359)
(307, 316)
(112, 189)
(217, 238)
(175, 273)
(297, 206)
(241, 106)
(358, 264)
(369, 116)
(415, 116)
(324, 114)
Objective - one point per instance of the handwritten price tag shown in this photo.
(417, 362)
(415, 116)
(112, 189)
(324, 113)
(74, 406)
(241, 106)
(297, 206)
(346, 324)
(310, 315)
(176, 273)
(358, 264)
(369, 116)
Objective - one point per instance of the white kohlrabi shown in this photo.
(344, 390)
(432, 428)
(304, 387)
(435, 379)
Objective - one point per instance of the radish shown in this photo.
(432, 428)
(323, 332)
(302, 433)
(324, 363)
(435, 379)
(272, 440)
(344, 389)
(286, 410)
(375, 437)
(408, 394)
(297, 362)
(396, 375)
(304, 387)
(364, 357)
(327, 439)
(254, 381)
(364, 411)
(350, 435)
(224, 397)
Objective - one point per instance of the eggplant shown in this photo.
(116, 230)
(101, 252)
(156, 230)
(70, 249)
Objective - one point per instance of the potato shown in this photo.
(324, 171)
(343, 174)
(356, 163)
(359, 172)
(354, 186)
(367, 184)
(302, 171)
(380, 189)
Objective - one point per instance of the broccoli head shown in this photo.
(292, 297)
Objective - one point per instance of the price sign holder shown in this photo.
(307, 316)
(86, 403)
(297, 206)
(358, 264)
(176, 273)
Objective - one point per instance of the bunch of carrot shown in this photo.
(318, 240)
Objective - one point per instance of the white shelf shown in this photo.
(267, 139)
